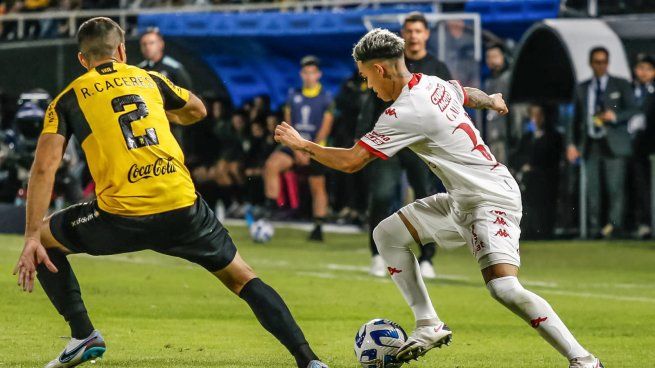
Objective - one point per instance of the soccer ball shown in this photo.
(261, 231)
(377, 342)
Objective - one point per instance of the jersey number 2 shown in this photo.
(125, 121)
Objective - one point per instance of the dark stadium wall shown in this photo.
(53, 64)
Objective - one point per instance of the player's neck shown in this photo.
(95, 63)
(415, 55)
(157, 58)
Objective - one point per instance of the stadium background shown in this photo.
(236, 52)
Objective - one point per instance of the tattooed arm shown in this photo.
(477, 99)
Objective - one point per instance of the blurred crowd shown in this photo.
(58, 28)
(605, 134)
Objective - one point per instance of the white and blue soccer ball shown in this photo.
(377, 342)
(261, 231)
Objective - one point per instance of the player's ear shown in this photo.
(379, 69)
(122, 54)
(82, 60)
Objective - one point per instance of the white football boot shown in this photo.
(427, 270)
(586, 362)
(423, 339)
(317, 364)
(378, 268)
(80, 351)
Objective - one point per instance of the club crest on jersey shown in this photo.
(441, 97)
(158, 168)
(391, 112)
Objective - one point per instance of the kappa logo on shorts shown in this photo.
(537, 321)
(503, 233)
(500, 221)
(393, 271)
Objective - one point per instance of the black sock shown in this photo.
(275, 317)
(318, 222)
(64, 292)
(427, 252)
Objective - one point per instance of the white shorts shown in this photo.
(491, 233)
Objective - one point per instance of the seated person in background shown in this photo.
(309, 110)
(258, 147)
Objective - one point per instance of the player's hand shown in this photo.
(498, 104)
(288, 136)
(34, 254)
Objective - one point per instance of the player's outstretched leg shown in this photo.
(270, 310)
(393, 238)
(505, 287)
(64, 292)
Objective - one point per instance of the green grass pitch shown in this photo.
(157, 311)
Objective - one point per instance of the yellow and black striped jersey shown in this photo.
(118, 114)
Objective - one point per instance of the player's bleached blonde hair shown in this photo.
(379, 43)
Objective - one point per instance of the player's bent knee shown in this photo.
(391, 232)
(506, 290)
(236, 274)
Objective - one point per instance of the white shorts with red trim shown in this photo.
(491, 233)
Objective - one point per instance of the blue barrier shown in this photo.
(258, 53)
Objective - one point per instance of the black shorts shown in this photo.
(192, 233)
(314, 168)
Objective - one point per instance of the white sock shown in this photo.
(393, 241)
(536, 311)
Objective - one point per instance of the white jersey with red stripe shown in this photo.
(429, 118)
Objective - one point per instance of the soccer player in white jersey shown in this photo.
(481, 209)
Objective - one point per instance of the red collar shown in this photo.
(416, 77)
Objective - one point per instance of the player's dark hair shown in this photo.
(152, 30)
(99, 37)
(379, 44)
(498, 46)
(415, 17)
(646, 58)
(310, 60)
(599, 49)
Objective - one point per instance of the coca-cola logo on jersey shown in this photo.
(377, 138)
(158, 168)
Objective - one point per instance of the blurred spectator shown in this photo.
(351, 203)
(152, 48)
(599, 134)
(416, 33)
(310, 110)
(537, 166)
(460, 52)
(497, 82)
(259, 146)
(644, 89)
(384, 177)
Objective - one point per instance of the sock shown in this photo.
(427, 252)
(318, 222)
(536, 311)
(393, 241)
(275, 317)
(64, 292)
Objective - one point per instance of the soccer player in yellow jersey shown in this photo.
(145, 196)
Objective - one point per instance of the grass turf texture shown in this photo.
(158, 311)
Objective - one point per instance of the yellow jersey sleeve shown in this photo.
(54, 121)
(174, 97)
